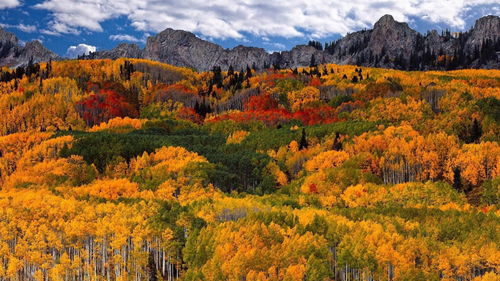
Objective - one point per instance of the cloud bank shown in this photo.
(235, 19)
(9, 4)
(80, 49)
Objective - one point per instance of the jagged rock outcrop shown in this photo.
(391, 37)
(123, 50)
(12, 54)
(183, 48)
(300, 55)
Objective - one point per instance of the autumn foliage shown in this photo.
(131, 169)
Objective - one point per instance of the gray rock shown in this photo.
(123, 50)
(12, 54)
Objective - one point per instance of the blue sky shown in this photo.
(70, 27)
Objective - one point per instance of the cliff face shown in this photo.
(12, 54)
(390, 44)
(486, 28)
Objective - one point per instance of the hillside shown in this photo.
(131, 169)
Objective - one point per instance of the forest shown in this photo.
(131, 169)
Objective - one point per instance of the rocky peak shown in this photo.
(385, 22)
(391, 36)
(36, 51)
(182, 48)
(13, 55)
(7, 37)
(488, 23)
(8, 45)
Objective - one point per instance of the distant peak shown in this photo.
(35, 43)
(384, 20)
(388, 22)
(486, 20)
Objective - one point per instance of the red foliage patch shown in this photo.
(260, 103)
(319, 115)
(313, 188)
(315, 82)
(188, 113)
(105, 105)
(261, 110)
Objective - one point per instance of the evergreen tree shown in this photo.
(476, 131)
(457, 179)
(217, 78)
(337, 144)
(313, 61)
(303, 140)
(249, 73)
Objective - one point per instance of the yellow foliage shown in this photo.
(299, 99)
(72, 171)
(367, 195)
(327, 159)
(119, 125)
(111, 189)
(477, 162)
(47, 150)
(488, 276)
(280, 176)
(237, 137)
(166, 159)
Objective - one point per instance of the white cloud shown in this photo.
(9, 4)
(23, 27)
(233, 19)
(75, 51)
(124, 37)
(26, 28)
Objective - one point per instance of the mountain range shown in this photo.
(390, 44)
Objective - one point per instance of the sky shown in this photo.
(72, 27)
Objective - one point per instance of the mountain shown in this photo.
(390, 44)
(395, 45)
(12, 54)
